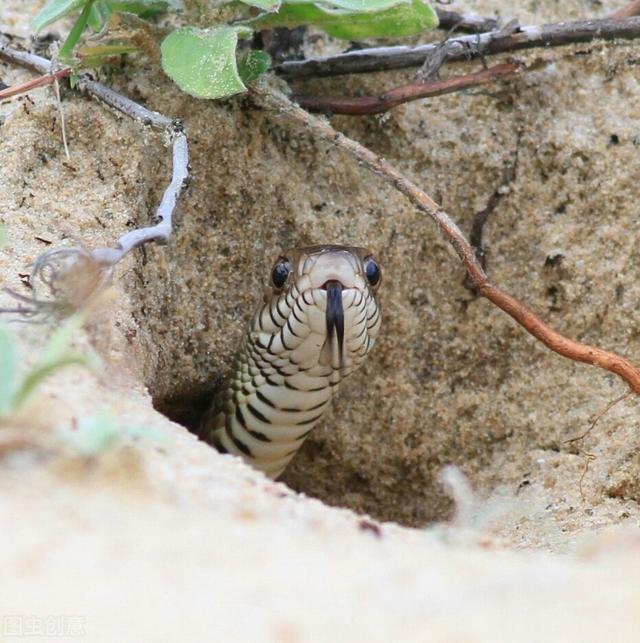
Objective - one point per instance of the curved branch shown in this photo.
(551, 338)
(377, 104)
(97, 265)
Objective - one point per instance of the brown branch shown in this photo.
(27, 86)
(377, 104)
(551, 338)
(631, 9)
(463, 47)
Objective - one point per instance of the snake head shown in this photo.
(320, 311)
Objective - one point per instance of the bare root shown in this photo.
(360, 105)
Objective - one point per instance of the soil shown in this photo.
(161, 538)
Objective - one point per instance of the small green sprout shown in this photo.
(92, 435)
(98, 433)
(17, 388)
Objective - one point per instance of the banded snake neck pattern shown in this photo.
(318, 322)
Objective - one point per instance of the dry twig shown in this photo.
(590, 457)
(463, 47)
(610, 405)
(359, 105)
(278, 102)
(27, 86)
(63, 262)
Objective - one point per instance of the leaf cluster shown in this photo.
(208, 62)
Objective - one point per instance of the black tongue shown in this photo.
(335, 314)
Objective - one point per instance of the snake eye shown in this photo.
(371, 270)
(280, 272)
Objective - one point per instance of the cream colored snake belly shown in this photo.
(318, 321)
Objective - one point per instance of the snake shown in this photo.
(317, 323)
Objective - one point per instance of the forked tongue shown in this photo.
(332, 351)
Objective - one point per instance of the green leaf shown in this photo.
(405, 19)
(65, 53)
(401, 20)
(96, 56)
(54, 10)
(290, 15)
(202, 62)
(265, 5)
(100, 11)
(37, 375)
(99, 15)
(93, 435)
(253, 64)
(142, 8)
(8, 370)
(359, 6)
(104, 51)
(56, 355)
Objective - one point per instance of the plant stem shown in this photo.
(65, 53)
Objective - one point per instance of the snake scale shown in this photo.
(318, 321)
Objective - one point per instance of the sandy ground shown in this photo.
(161, 538)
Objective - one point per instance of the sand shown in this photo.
(161, 538)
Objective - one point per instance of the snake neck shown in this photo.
(265, 419)
(301, 344)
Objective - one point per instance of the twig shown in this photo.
(64, 262)
(467, 22)
(43, 81)
(394, 97)
(101, 92)
(463, 47)
(278, 102)
(438, 56)
(631, 9)
(63, 129)
(590, 457)
(432, 64)
(610, 405)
